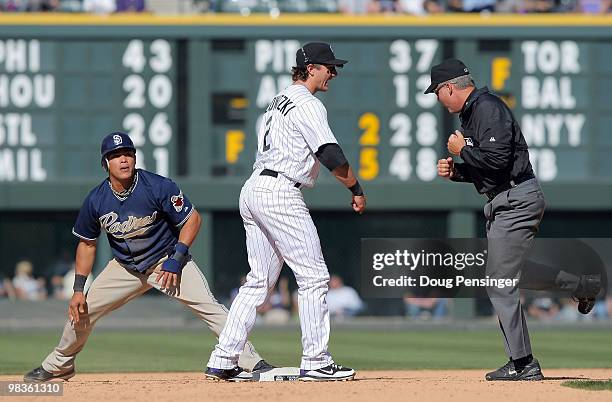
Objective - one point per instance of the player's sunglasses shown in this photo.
(330, 69)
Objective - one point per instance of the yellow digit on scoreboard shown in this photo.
(370, 123)
(368, 163)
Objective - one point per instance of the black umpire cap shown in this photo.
(447, 70)
(317, 53)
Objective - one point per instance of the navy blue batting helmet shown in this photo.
(114, 141)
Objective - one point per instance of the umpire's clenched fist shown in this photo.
(445, 167)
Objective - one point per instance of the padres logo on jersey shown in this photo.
(132, 227)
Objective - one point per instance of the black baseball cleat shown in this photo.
(39, 374)
(235, 374)
(531, 372)
(587, 291)
(333, 372)
(262, 366)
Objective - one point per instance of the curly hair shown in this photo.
(299, 73)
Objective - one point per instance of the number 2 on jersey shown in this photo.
(266, 140)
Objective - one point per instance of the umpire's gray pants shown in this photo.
(513, 218)
(115, 286)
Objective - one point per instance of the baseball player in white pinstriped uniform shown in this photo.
(294, 138)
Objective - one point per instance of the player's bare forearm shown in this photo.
(172, 266)
(85, 257)
(344, 174)
(190, 229)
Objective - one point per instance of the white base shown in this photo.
(278, 374)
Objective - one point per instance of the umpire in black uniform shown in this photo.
(496, 161)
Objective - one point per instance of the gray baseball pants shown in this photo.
(115, 286)
(513, 218)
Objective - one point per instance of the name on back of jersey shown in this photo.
(282, 103)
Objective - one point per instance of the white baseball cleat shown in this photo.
(333, 372)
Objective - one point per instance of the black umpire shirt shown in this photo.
(496, 151)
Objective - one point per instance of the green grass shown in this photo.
(603, 385)
(188, 350)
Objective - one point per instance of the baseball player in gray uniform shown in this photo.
(150, 225)
(293, 140)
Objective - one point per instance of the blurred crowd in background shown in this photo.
(344, 302)
(54, 281)
(87, 6)
(245, 7)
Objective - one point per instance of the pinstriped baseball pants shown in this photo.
(278, 229)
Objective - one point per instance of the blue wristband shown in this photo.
(181, 252)
(177, 259)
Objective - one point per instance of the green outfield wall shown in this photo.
(190, 91)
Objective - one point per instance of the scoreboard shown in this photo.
(191, 91)
(557, 90)
(59, 97)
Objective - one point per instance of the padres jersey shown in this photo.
(142, 226)
(293, 128)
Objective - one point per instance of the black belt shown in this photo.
(268, 172)
(513, 183)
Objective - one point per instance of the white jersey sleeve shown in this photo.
(311, 122)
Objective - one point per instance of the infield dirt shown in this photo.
(379, 386)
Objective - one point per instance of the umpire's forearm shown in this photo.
(461, 173)
(85, 257)
(190, 229)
